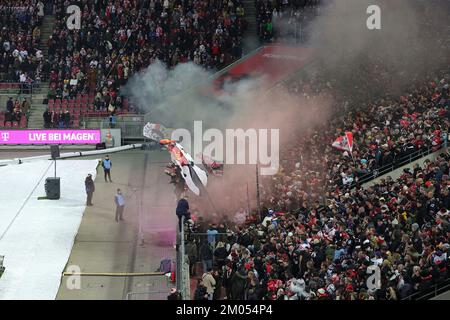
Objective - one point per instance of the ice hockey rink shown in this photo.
(36, 236)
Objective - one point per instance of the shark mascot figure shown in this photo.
(196, 179)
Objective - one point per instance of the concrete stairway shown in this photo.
(36, 121)
(46, 32)
(250, 41)
(250, 15)
(36, 99)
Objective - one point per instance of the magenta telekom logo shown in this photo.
(4, 136)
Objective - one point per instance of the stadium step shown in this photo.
(46, 32)
(251, 41)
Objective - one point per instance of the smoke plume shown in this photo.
(412, 42)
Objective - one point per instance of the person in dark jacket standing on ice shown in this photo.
(90, 188)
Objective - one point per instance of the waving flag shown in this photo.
(344, 143)
(155, 131)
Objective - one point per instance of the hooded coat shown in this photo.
(238, 285)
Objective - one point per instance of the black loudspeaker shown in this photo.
(55, 151)
(52, 188)
(100, 146)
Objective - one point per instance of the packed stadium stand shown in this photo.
(329, 215)
(323, 223)
(116, 40)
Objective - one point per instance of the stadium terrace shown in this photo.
(104, 196)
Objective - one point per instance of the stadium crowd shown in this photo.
(321, 235)
(16, 114)
(20, 57)
(118, 39)
(319, 251)
(320, 230)
(285, 20)
(386, 132)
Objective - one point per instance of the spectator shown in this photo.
(240, 217)
(25, 106)
(220, 254)
(200, 291)
(61, 120)
(67, 119)
(47, 118)
(90, 189)
(120, 205)
(191, 251)
(112, 120)
(183, 211)
(10, 105)
(209, 283)
(174, 295)
(107, 165)
(17, 116)
(53, 119)
(40, 7)
(206, 255)
(211, 235)
(9, 117)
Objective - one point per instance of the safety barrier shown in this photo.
(431, 292)
(18, 88)
(158, 288)
(397, 163)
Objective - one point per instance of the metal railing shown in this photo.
(19, 88)
(149, 295)
(397, 163)
(183, 280)
(157, 288)
(432, 292)
(130, 129)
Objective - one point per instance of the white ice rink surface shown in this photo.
(36, 236)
